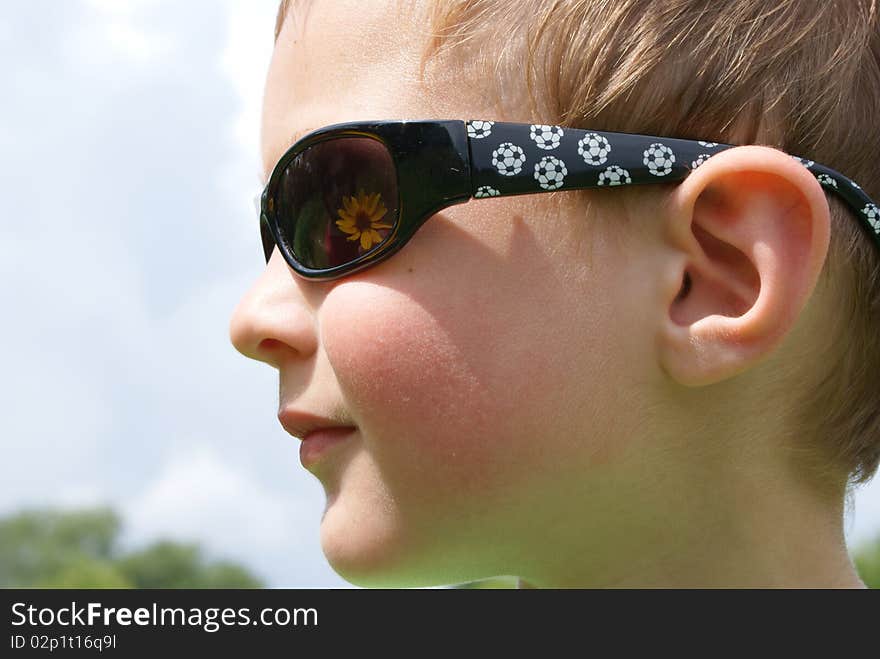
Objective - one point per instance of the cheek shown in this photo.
(405, 373)
(438, 389)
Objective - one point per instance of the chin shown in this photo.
(373, 551)
(367, 550)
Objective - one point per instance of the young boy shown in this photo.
(650, 385)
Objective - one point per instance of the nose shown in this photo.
(273, 322)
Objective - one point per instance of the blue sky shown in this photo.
(129, 140)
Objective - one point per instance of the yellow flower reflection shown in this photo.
(360, 218)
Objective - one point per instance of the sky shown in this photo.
(129, 157)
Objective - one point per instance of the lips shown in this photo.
(301, 424)
(321, 441)
(318, 433)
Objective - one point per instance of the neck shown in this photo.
(718, 572)
(739, 532)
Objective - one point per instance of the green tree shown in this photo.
(86, 573)
(38, 545)
(79, 549)
(173, 565)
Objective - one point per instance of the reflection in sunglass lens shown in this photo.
(336, 201)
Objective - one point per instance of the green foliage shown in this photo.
(173, 565)
(86, 573)
(39, 544)
(867, 561)
(49, 548)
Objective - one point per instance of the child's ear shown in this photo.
(750, 230)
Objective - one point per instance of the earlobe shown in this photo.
(749, 230)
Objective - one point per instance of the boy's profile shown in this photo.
(647, 385)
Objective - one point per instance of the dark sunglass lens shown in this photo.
(336, 201)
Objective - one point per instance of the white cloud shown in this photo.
(244, 62)
(123, 27)
(199, 496)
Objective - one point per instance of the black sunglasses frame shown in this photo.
(442, 163)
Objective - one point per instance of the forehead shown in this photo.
(294, 8)
(349, 60)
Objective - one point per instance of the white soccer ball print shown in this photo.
(708, 145)
(659, 159)
(806, 163)
(486, 191)
(873, 214)
(479, 129)
(594, 149)
(824, 179)
(546, 137)
(508, 159)
(550, 172)
(703, 157)
(614, 175)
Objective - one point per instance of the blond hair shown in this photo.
(800, 75)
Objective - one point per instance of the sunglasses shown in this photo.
(348, 196)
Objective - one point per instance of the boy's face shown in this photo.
(485, 365)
